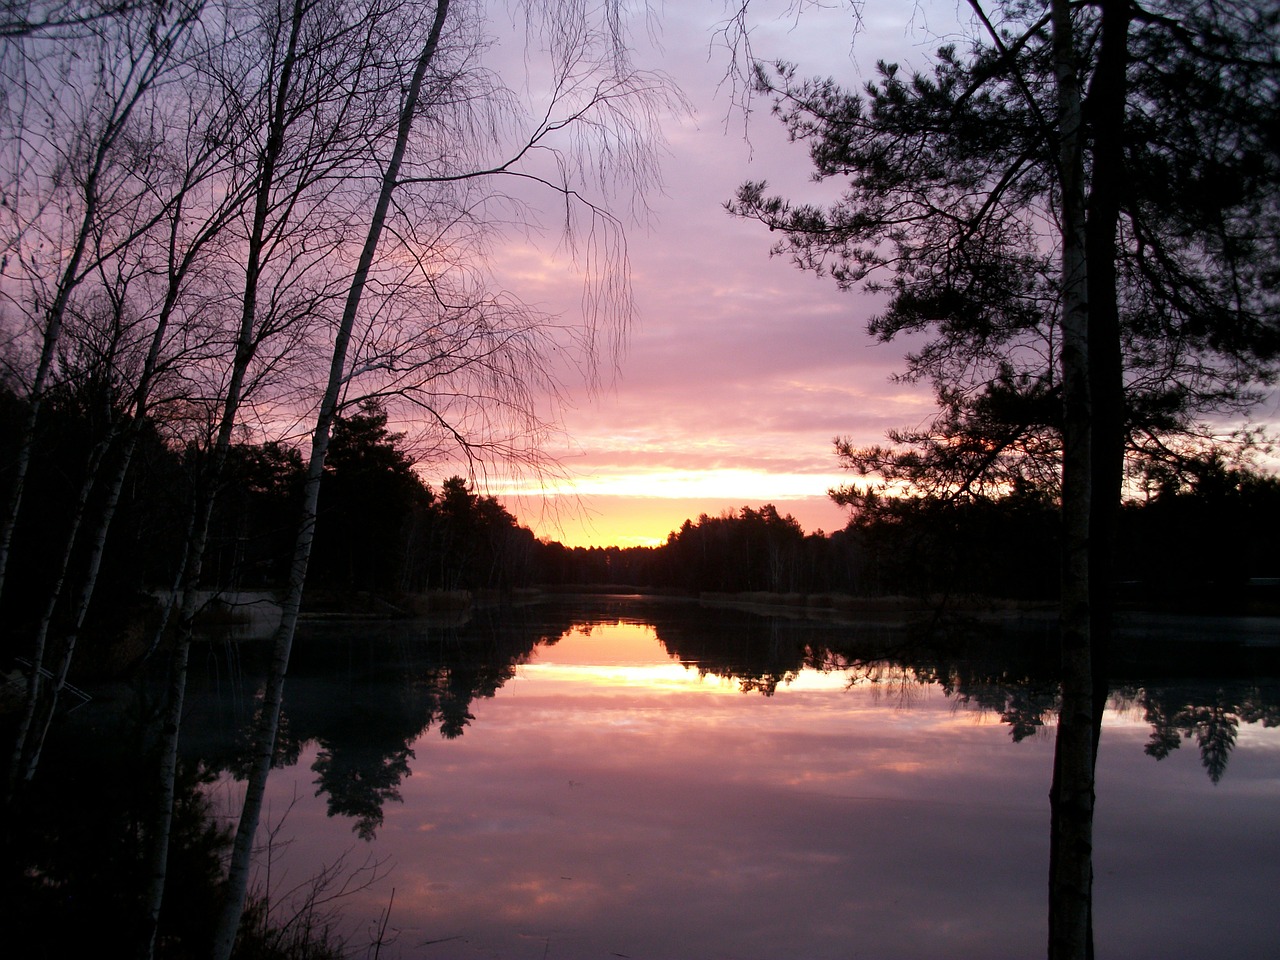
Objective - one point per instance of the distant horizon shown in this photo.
(737, 370)
(638, 521)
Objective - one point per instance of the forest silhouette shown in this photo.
(388, 536)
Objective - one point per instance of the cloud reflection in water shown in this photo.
(611, 801)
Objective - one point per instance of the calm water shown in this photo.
(644, 780)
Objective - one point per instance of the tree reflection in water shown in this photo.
(362, 696)
(1019, 680)
(398, 682)
(73, 855)
(1009, 671)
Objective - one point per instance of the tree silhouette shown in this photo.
(370, 500)
(1007, 201)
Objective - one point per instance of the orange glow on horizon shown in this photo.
(646, 521)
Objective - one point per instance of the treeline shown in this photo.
(380, 526)
(382, 529)
(1194, 544)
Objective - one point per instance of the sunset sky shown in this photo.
(740, 369)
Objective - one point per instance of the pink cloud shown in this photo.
(736, 360)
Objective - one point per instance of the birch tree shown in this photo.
(312, 103)
(78, 193)
(461, 344)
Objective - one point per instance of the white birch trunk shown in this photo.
(186, 585)
(265, 736)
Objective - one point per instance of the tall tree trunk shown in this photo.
(198, 519)
(265, 735)
(192, 563)
(162, 825)
(1071, 794)
(1106, 117)
(95, 537)
(171, 723)
(1105, 114)
(52, 334)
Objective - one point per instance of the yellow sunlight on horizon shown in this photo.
(642, 509)
(630, 655)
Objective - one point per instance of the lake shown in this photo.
(643, 779)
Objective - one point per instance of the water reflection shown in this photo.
(363, 696)
(1011, 673)
(71, 871)
(673, 781)
(665, 780)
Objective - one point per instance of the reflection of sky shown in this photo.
(610, 802)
